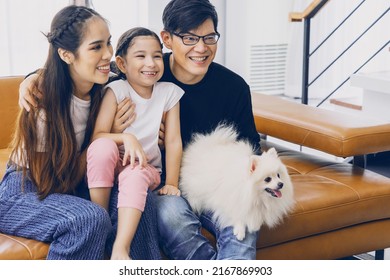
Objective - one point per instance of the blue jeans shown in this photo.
(180, 234)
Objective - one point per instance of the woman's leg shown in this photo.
(145, 242)
(74, 227)
(180, 230)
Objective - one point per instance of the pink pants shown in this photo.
(103, 164)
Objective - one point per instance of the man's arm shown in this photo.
(124, 116)
(27, 95)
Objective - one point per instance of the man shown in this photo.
(213, 94)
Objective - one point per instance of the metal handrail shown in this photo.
(368, 60)
(338, 26)
(343, 52)
(307, 15)
(306, 47)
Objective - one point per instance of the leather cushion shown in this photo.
(9, 107)
(329, 196)
(18, 248)
(332, 132)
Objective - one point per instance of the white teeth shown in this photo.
(149, 73)
(107, 67)
(199, 58)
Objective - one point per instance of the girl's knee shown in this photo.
(103, 150)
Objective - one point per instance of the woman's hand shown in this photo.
(169, 190)
(124, 116)
(28, 94)
(133, 151)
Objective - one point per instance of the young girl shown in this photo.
(47, 164)
(137, 161)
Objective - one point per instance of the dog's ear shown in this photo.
(272, 152)
(254, 162)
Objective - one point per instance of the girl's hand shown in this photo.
(124, 116)
(133, 151)
(169, 190)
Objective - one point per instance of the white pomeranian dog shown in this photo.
(243, 190)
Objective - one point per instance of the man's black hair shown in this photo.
(184, 15)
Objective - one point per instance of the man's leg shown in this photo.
(228, 247)
(180, 230)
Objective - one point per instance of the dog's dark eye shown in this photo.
(268, 179)
(278, 175)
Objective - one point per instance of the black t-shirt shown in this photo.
(221, 96)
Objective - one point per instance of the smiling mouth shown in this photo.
(149, 73)
(104, 68)
(199, 59)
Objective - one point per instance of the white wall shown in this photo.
(23, 48)
(22, 45)
(256, 33)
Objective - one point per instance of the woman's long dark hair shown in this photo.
(56, 169)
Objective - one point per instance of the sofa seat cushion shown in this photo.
(330, 196)
(4, 155)
(18, 248)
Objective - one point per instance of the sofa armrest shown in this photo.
(329, 131)
(9, 108)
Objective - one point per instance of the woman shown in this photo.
(39, 194)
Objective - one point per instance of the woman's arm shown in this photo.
(173, 148)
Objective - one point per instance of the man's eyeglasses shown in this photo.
(191, 39)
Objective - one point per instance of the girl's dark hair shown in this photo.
(184, 15)
(54, 170)
(125, 41)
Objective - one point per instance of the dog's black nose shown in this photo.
(280, 185)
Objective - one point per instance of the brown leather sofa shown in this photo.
(342, 209)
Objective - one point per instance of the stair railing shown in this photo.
(306, 16)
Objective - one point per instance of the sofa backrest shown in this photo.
(9, 108)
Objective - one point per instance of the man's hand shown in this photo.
(28, 94)
(124, 116)
(161, 136)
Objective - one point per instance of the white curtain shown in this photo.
(331, 15)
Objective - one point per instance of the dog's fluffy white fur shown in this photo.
(243, 190)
